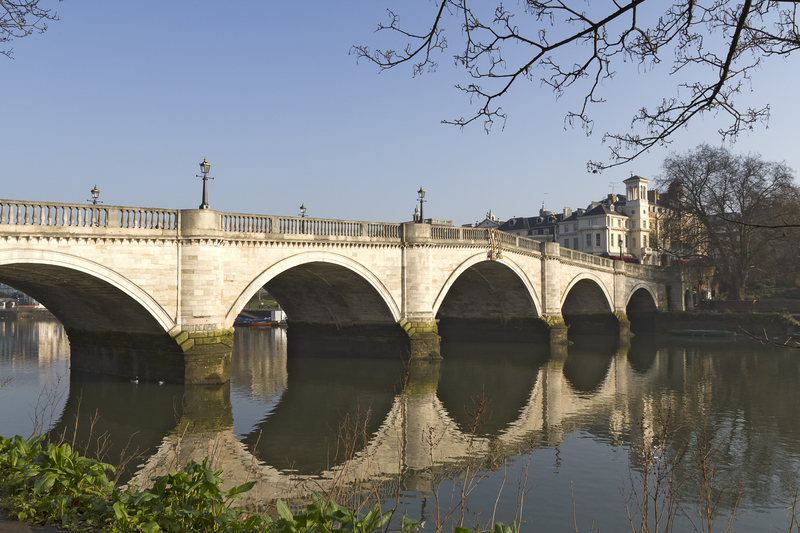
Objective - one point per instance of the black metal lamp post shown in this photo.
(303, 210)
(205, 166)
(421, 194)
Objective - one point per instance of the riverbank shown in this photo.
(778, 326)
(26, 312)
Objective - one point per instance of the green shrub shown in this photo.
(54, 485)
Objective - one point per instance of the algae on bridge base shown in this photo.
(424, 339)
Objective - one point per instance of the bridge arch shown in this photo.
(637, 291)
(359, 273)
(585, 286)
(479, 259)
(486, 300)
(83, 294)
(587, 307)
(641, 309)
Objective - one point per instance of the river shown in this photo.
(562, 437)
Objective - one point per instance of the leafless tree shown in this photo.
(20, 19)
(730, 209)
(713, 47)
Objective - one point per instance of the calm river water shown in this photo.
(561, 425)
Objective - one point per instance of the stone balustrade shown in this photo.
(60, 216)
(22, 216)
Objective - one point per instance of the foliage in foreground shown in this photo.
(50, 484)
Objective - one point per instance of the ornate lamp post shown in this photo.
(205, 166)
(421, 194)
(95, 194)
(95, 215)
(303, 210)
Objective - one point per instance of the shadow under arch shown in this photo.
(299, 434)
(588, 362)
(641, 310)
(335, 307)
(120, 419)
(82, 293)
(586, 307)
(489, 301)
(504, 374)
(306, 258)
(114, 327)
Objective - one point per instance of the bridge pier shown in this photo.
(424, 339)
(189, 358)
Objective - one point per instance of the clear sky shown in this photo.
(131, 96)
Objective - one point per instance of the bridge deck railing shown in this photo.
(86, 217)
(582, 257)
(119, 220)
(254, 225)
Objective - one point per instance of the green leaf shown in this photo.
(240, 489)
(151, 527)
(284, 512)
(44, 483)
(500, 527)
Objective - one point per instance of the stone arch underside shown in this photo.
(110, 331)
(641, 311)
(489, 302)
(587, 310)
(334, 311)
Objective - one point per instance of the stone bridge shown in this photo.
(152, 293)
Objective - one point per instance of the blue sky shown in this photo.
(131, 96)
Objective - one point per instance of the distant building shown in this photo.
(541, 228)
(491, 221)
(618, 226)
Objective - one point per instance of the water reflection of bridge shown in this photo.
(413, 429)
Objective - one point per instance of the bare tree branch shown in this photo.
(21, 18)
(579, 43)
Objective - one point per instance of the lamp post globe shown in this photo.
(95, 194)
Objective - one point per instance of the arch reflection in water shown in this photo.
(580, 424)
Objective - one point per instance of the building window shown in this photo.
(597, 239)
(588, 240)
(566, 243)
(574, 227)
(546, 232)
(575, 242)
(644, 241)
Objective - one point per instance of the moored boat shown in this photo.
(255, 322)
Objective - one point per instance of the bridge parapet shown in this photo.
(273, 226)
(21, 217)
(590, 259)
(480, 236)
